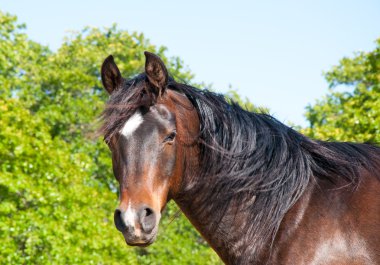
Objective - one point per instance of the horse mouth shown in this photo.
(140, 244)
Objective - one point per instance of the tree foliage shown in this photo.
(354, 114)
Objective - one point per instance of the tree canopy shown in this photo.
(354, 113)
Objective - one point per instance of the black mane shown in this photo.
(252, 156)
(249, 158)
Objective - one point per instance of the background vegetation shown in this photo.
(57, 192)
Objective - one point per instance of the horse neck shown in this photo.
(231, 235)
(227, 222)
(226, 234)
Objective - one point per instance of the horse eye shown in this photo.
(170, 137)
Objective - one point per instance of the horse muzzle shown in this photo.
(139, 227)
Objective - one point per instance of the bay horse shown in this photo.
(258, 191)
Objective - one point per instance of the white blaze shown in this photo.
(132, 124)
(129, 216)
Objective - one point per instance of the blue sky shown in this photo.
(273, 52)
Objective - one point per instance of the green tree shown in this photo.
(18, 56)
(352, 115)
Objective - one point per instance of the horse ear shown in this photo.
(111, 77)
(156, 72)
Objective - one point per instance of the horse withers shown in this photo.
(257, 191)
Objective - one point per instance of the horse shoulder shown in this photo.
(332, 226)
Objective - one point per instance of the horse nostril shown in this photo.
(148, 212)
(147, 219)
(119, 223)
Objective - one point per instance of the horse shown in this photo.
(258, 191)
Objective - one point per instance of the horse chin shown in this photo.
(141, 242)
